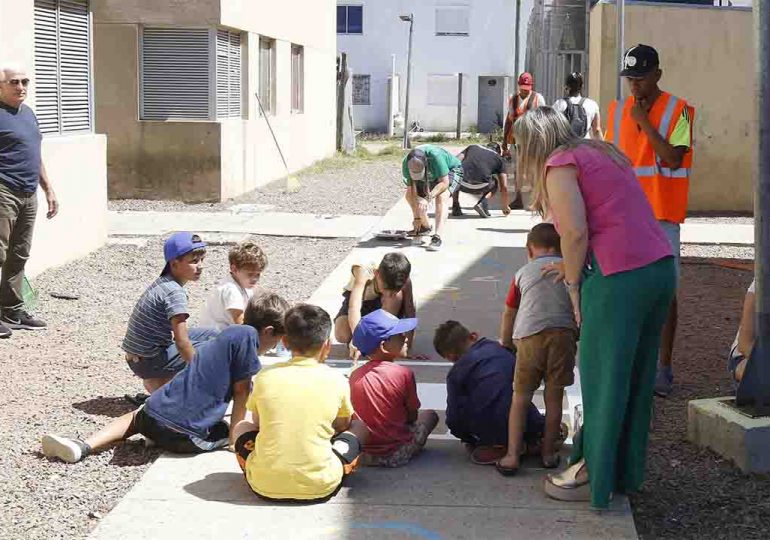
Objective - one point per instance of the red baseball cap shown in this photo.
(526, 81)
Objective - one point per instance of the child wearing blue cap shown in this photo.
(384, 394)
(162, 312)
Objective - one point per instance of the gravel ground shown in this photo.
(692, 492)
(70, 378)
(334, 186)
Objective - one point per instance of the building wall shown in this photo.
(488, 50)
(707, 57)
(214, 160)
(76, 164)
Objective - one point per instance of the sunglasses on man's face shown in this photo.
(17, 82)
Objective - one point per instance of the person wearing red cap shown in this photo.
(524, 100)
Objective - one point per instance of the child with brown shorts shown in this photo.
(539, 320)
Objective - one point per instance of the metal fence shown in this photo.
(557, 44)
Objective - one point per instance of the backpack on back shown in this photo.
(577, 117)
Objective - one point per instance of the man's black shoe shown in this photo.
(457, 211)
(21, 320)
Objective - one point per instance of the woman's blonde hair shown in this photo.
(539, 134)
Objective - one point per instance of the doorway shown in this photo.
(491, 103)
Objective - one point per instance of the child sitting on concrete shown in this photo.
(299, 441)
(384, 394)
(162, 312)
(183, 421)
(370, 288)
(539, 318)
(479, 390)
(226, 303)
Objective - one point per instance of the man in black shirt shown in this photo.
(483, 174)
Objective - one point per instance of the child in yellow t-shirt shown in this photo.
(300, 441)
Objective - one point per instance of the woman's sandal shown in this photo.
(566, 486)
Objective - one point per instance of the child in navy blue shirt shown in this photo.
(186, 415)
(479, 391)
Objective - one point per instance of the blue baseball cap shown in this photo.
(379, 326)
(178, 244)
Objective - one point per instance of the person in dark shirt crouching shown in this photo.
(479, 392)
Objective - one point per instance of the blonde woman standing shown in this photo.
(619, 271)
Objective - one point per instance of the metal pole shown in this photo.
(620, 6)
(755, 386)
(408, 81)
(517, 45)
(459, 104)
(586, 64)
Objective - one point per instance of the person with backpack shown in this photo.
(519, 104)
(582, 113)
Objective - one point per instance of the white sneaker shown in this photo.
(435, 243)
(65, 449)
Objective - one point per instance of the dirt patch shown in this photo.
(692, 492)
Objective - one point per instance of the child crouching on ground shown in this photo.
(226, 303)
(299, 442)
(384, 394)
(539, 318)
(373, 287)
(185, 422)
(479, 390)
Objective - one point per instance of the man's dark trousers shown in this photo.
(17, 222)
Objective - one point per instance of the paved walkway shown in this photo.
(251, 219)
(441, 495)
(239, 224)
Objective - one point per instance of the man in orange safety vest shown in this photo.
(654, 129)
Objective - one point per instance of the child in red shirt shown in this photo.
(384, 394)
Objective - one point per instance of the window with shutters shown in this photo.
(297, 78)
(350, 19)
(229, 97)
(361, 89)
(267, 74)
(175, 74)
(63, 66)
(453, 20)
(191, 74)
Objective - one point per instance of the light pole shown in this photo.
(620, 34)
(517, 37)
(410, 19)
(755, 386)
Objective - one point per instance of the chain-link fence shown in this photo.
(557, 44)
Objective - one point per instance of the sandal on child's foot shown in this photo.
(551, 462)
(506, 471)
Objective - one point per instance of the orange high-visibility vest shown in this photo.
(517, 108)
(666, 188)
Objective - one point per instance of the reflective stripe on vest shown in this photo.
(642, 172)
(665, 122)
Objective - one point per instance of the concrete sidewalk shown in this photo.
(441, 495)
(234, 225)
(240, 224)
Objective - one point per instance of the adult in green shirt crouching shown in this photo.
(430, 173)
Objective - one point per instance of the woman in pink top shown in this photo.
(619, 271)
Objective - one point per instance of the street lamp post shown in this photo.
(620, 31)
(754, 389)
(410, 19)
